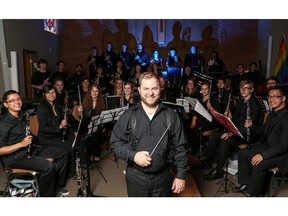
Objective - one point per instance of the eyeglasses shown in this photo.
(271, 83)
(274, 96)
(14, 100)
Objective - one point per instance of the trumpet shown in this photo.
(28, 133)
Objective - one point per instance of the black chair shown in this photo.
(281, 176)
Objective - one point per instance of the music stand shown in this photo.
(112, 101)
(179, 109)
(229, 125)
(198, 107)
(112, 115)
(91, 128)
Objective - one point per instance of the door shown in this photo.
(30, 59)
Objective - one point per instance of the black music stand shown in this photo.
(91, 128)
(112, 115)
(112, 101)
(229, 125)
(198, 107)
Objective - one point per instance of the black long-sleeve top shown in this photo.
(172, 149)
(12, 131)
(240, 116)
(48, 122)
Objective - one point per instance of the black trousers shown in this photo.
(223, 147)
(256, 177)
(52, 175)
(66, 145)
(141, 184)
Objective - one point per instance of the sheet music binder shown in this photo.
(227, 123)
(198, 107)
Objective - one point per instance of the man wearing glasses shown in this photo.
(225, 142)
(14, 141)
(254, 163)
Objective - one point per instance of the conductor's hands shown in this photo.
(142, 158)
(178, 185)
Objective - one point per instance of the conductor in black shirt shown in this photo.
(136, 138)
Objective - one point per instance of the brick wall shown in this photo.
(237, 42)
(77, 37)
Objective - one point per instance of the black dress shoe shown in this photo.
(213, 175)
(241, 188)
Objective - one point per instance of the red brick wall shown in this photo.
(237, 42)
(77, 37)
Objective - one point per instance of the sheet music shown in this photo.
(184, 103)
(198, 107)
(227, 123)
(93, 125)
(112, 114)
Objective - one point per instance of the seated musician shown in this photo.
(53, 128)
(93, 104)
(272, 151)
(225, 142)
(200, 124)
(14, 142)
(127, 96)
(223, 95)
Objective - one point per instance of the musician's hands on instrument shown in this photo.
(228, 114)
(226, 135)
(27, 141)
(178, 185)
(80, 108)
(142, 158)
(63, 123)
(248, 123)
(256, 159)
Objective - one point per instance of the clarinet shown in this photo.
(78, 167)
(123, 59)
(138, 57)
(65, 116)
(248, 118)
(229, 101)
(28, 133)
(47, 79)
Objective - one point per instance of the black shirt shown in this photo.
(12, 131)
(172, 148)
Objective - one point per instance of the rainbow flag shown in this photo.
(281, 70)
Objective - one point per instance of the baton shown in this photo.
(160, 139)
